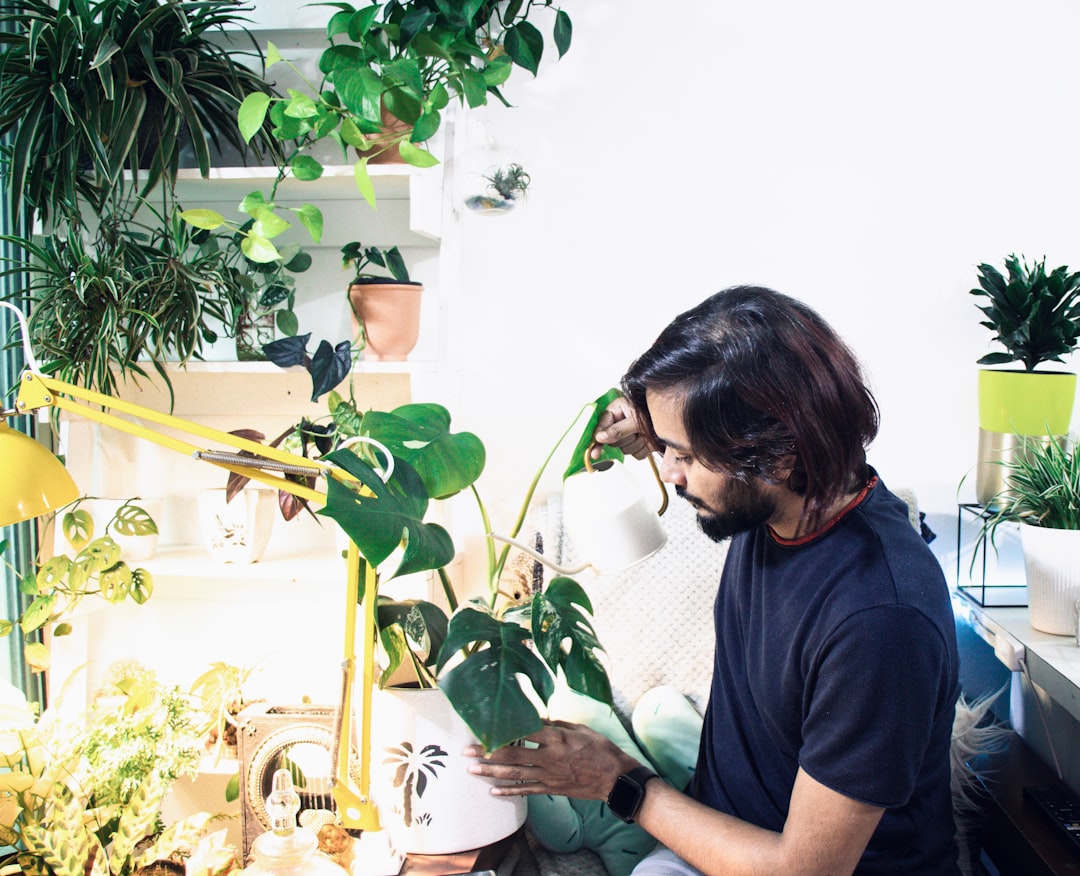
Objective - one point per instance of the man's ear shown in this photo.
(790, 472)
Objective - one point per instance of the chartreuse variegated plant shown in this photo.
(57, 585)
(489, 652)
(84, 798)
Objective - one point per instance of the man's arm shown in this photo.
(825, 832)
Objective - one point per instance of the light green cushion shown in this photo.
(666, 727)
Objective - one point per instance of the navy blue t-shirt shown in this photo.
(838, 656)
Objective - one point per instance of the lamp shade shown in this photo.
(32, 480)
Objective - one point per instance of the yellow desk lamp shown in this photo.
(35, 482)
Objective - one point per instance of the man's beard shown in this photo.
(745, 506)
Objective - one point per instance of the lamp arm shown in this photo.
(37, 391)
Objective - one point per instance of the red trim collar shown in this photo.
(852, 505)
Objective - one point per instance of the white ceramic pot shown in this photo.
(427, 799)
(1052, 566)
(237, 531)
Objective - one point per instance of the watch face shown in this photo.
(625, 798)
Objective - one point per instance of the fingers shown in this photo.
(618, 425)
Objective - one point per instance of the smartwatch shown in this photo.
(628, 793)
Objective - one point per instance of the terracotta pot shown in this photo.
(392, 126)
(390, 315)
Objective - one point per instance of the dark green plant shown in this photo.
(509, 182)
(91, 89)
(1034, 315)
(356, 257)
(484, 652)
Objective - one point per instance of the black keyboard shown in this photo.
(1060, 807)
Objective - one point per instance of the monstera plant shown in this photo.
(482, 654)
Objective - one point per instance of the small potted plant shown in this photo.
(1035, 316)
(386, 310)
(1042, 494)
(506, 188)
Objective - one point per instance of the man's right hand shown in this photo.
(619, 426)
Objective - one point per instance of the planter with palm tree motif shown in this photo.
(427, 799)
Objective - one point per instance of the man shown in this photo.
(825, 747)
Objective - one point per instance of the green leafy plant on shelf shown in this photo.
(388, 72)
(57, 585)
(97, 100)
(84, 797)
(1033, 314)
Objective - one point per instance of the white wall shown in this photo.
(862, 157)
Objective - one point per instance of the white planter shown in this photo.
(427, 799)
(237, 531)
(1052, 565)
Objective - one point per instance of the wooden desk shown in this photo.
(500, 857)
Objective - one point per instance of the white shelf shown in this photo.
(398, 187)
(1053, 661)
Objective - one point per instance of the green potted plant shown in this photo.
(433, 463)
(85, 797)
(386, 310)
(1035, 316)
(57, 585)
(97, 98)
(1042, 494)
(92, 89)
(388, 72)
(506, 187)
(104, 308)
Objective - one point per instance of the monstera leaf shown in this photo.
(447, 462)
(557, 618)
(484, 689)
(380, 517)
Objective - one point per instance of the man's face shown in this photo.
(725, 505)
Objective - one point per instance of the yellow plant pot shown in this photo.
(1014, 405)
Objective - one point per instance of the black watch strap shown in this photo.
(628, 793)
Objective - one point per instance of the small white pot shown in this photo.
(237, 531)
(1052, 566)
(428, 800)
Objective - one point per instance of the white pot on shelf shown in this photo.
(1052, 567)
(237, 531)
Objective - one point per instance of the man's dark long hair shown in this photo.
(764, 382)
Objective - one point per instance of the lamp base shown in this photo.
(375, 855)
